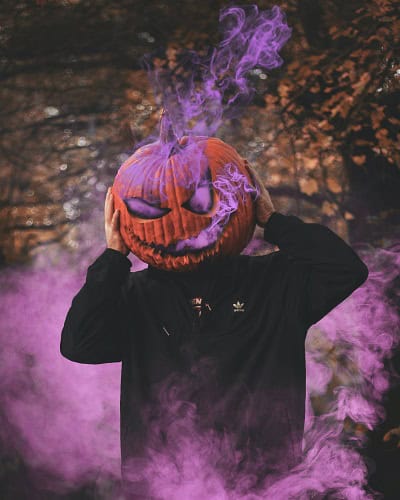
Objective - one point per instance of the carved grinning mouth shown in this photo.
(179, 248)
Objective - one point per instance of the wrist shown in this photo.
(119, 249)
(262, 221)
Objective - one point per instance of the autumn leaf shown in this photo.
(359, 160)
(381, 134)
(315, 88)
(377, 116)
(283, 89)
(330, 160)
(329, 208)
(270, 99)
(333, 185)
(361, 142)
(361, 83)
(308, 186)
(310, 163)
(325, 125)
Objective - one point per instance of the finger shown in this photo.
(252, 177)
(109, 207)
(250, 171)
(115, 221)
(258, 178)
(255, 181)
(106, 199)
(248, 168)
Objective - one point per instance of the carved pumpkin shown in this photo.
(185, 203)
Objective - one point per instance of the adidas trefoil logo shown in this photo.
(238, 307)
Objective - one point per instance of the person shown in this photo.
(215, 354)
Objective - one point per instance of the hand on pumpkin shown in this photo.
(111, 225)
(263, 202)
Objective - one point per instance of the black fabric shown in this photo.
(236, 370)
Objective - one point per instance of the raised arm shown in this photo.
(95, 325)
(325, 269)
(94, 329)
(331, 268)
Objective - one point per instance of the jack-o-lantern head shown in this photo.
(183, 203)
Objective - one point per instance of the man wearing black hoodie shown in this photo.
(228, 338)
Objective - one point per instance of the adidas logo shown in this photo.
(238, 307)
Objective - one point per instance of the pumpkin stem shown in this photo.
(167, 133)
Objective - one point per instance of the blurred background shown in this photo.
(323, 131)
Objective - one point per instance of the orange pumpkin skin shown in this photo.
(179, 224)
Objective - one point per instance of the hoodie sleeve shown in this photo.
(93, 330)
(330, 268)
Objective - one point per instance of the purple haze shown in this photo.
(63, 417)
(215, 86)
(231, 186)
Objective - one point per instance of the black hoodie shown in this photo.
(226, 340)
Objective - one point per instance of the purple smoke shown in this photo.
(213, 87)
(62, 417)
(231, 186)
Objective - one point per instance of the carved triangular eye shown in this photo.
(202, 199)
(144, 209)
